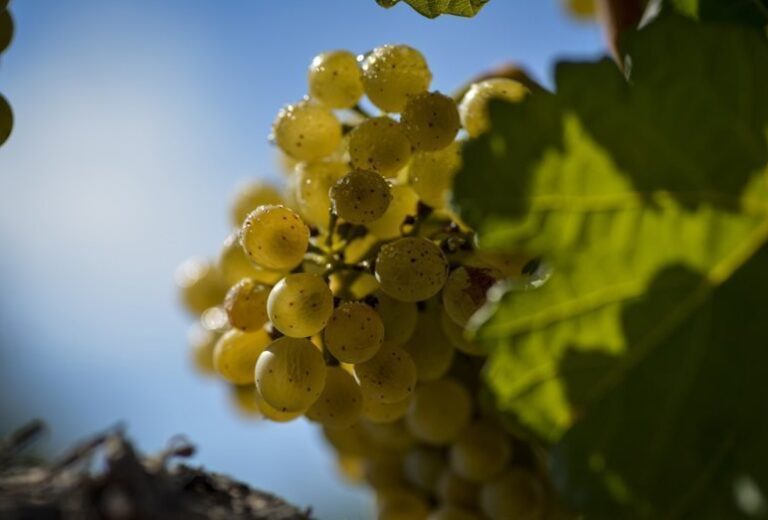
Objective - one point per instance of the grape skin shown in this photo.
(404, 203)
(429, 348)
(354, 333)
(423, 466)
(394, 73)
(200, 285)
(360, 197)
(335, 79)
(313, 183)
(431, 121)
(306, 131)
(431, 174)
(250, 196)
(236, 352)
(290, 374)
(246, 305)
(473, 108)
(389, 376)
(481, 452)
(456, 336)
(341, 402)
(411, 269)
(202, 342)
(517, 494)
(234, 265)
(275, 237)
(465, 291)
(399, 318)
(439, 411)
(402, 505)
(378, 412)
(300, 305)
(452, 513)
(456, 491)
(379, 144)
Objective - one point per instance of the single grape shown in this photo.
(473, 108)
(313, 183)
(335, 79)
(234, 265)
(200, 285)
(456, 337)
(379, 144)
(404, 204)
(341, 402)
(431, 121)
(246, 305)
(402, 505)
(250, 196)
(360, 196)
(379, 412)
(202, 342)
(481, 452)
(273, 414)
(399, 318)
(394, 73)
(439, 411)
(354, 333)
(383, 473)
(465, 291)
(456, 491)
(411, 269)
(244, 401)
(275, 237)
(350, 467)
(300, 305)
(236, 352)
(389, 376)
(582, 9)
(352, 441)
(431, 174)
(423, 466)
(306, 131)
(517, 494)
(389, 438)
(428, 346)
(453, 513)
(290, 374)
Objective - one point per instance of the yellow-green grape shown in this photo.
(306, 131)
(465, 291)
(383, 473)
(431, 174)
(439, 411)
(250, 196)
(246, 305)
(378, 412)
(389, 376)
(200, 285)
(453, 513)
(399, 318)
(234, 265)
(401, 504)
(481, 452)
(236, 352)
(353, 441)
(428, 346)
(354, 333)
(510, 265)
(273, 414)
(201, 343)
(389, 438)
(300, 305)
(360, 196)
(431, 121)
(411, 269)
(423, 466)
(341, 402)
(456, 491)
(584, 9)
(473, 108)
(394, 73)
(456, 337)
(517, 494)
(350, 467)
(274, 237)
(215, 319)
(404, 203)
(313, 183)
(244, 400)
(335, 79)
(379, 144)
(290, 374)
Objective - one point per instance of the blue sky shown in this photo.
(134, 122)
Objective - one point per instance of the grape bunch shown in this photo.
(346, 299)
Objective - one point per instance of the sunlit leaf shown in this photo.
(434, 8)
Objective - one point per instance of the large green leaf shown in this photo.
(434, 8)
(745, 12)
(650, 199)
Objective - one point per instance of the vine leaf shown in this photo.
(434, 8)
(643, 360)
(752, 13)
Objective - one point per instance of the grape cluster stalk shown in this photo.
(346, 297)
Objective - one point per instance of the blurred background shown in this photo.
(134, 123)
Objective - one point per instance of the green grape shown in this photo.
(394, 73)
(360, 197)
(354, 333)
(439, 411)
(379, 144)
(352, 441)
(290, 374)
(383, 473)
(306, 131)
(423, 467)
(250, 196)
(473, 108)
(200, 285)
(431, 174)
(244, 400)
(582, 9)
(404, 204)
(431, 121)
(313, 183)
(517, 494)
(481, 452)
(300, 305)
(335, 79)
(201, 343)
(399, 318)
(455, 491)
(402, 505)
(236, 352)
(389, 438)
(341, 402)
(453, 513)
(234, 265)
(273, 414)
(378, 412)
(429, 348)
(411, 269)
(246, 305)
(275, 237)
(350, 467)
(457, 338)
(389, 376)
(465, 291)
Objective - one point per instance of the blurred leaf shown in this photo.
(6, 30)
(745, 12)
(434, 8)
(649, 198)
(6, 120)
